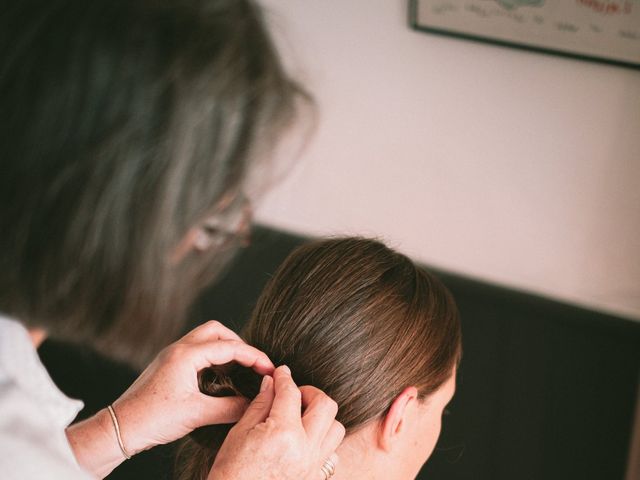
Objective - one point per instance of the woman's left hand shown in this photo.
(165, 403)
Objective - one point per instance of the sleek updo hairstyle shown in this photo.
(349, 316)
(124, 124)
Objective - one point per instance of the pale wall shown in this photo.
(518, 168)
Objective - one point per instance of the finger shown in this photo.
(259, 409)
(217, 410)
(219, 352)
(332, 461)
(211, 330)
(288, 398)
(319, 413)
(333, 438)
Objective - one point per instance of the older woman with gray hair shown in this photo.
(129, 130)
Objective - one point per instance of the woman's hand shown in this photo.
(273, 440)
(165, 403)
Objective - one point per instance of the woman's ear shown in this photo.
(395, 421)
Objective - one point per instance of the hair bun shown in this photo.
(215, 382)
(225, 381)
(229, 380)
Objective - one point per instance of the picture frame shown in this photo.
(597, 30)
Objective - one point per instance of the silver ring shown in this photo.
(328, 468)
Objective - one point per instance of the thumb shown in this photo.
(216, 410)
(260, 408)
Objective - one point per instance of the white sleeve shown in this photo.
(30, 447)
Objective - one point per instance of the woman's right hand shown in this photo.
(273, 440)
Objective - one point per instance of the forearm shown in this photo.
(95, 444)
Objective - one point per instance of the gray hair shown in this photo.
(125, 123)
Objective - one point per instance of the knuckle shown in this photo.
(287, 440)
(292, 391)
(239, 348)
(173, 352)
(310, 392)
(214, 324)
(330, 405)
(165, 353)
(162, 355)
(307, 390)
(261, 403)
(268, 427)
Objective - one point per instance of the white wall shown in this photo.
(518, 168)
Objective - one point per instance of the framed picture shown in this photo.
(600, 30)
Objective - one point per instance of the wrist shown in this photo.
(130, 425)
(94, 444)
(116, 427)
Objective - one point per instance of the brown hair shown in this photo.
(125, 124)
(351, 317)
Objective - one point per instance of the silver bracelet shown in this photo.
(114, 419)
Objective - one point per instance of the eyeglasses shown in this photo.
(229, 227)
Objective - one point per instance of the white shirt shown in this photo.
(33, 413)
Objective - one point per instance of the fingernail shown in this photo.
(286, 369)
(266, 383)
